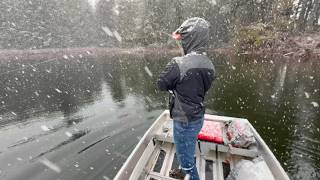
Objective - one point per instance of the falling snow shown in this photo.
(36, 93)
(117, 36)
(315, 104)
(81, 64)
(307, 95)
(44, 128)
(58, 90)
(148, 99)
(148, 71)
(105, 178)
(68, 134)
(50, 165)
(107, 31)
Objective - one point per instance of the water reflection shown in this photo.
(74, 136)
(101, 107)
(305, 142)
(59, 85)
(279, 82)
(113, 77)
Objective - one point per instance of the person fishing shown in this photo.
(188, 78)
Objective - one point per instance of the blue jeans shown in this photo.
(185, 138)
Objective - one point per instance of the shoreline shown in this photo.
(303, 47)
(81, 52)
(298, 47)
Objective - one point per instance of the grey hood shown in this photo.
(195, 35)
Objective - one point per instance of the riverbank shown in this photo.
(74, 53)
(300, 47)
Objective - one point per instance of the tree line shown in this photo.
(40, 24)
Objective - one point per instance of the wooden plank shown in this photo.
(170, 159)
(167, 163)
(219, 166)
(165, 133)
(141, 164)
(198, 157)
(201, 170)
(214, 165)
(205, 147)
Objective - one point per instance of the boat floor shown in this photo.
(212, 166)
(211, 163)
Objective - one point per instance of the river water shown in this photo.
(79, 118)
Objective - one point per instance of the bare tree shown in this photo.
(314, 15)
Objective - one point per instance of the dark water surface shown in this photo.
(82, 117)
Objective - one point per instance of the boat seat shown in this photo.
(205, 147)
(165, 134)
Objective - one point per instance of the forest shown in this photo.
(40, 24)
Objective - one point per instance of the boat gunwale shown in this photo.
(137, 151)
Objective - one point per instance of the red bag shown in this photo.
(211, 131)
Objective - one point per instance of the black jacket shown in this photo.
(190, 76)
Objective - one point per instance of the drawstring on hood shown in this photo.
(194, 35)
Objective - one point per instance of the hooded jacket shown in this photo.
(189, 77)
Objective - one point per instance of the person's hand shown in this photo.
(176, 36)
